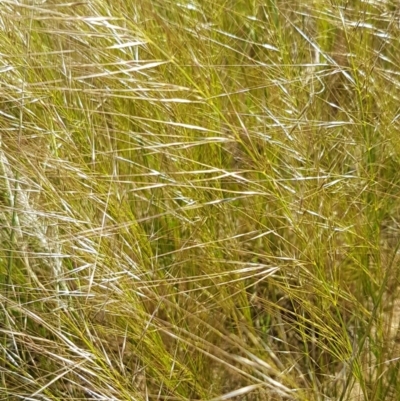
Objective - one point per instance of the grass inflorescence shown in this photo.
(199, 200)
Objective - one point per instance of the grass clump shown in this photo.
(199, 200)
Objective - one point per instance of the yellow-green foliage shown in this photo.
(199, 200)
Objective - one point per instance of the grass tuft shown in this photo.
(199, 200)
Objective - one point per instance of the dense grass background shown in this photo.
(199, 200)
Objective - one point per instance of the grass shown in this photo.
(199, 200)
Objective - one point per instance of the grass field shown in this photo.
(199, 200)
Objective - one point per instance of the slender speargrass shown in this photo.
(199, 200)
